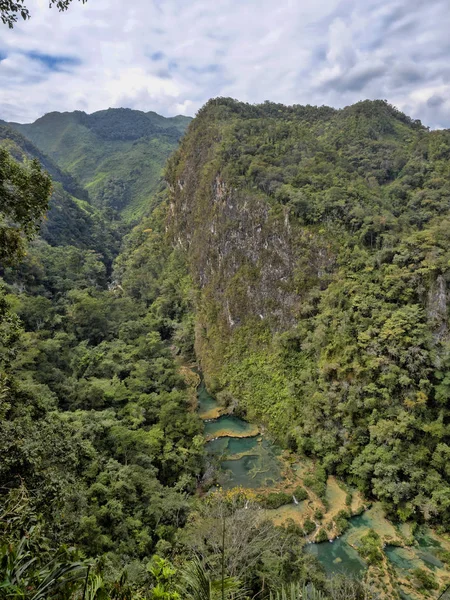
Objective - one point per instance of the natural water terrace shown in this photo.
(338, 557)
(246, 459)
(229, 426)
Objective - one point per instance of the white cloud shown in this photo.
(323, 52)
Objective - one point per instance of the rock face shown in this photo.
(243, 250)
(437, 308)
(245, 254)
(242, 253)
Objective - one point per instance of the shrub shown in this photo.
(370, 548)
(274, 499)
(322, 536)
(342, 525)
(309, 526)
(317, 481)
(300, 493)
(425, 580)
(343, 514)
(444, 555)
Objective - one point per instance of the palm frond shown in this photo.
(61, 575)
(298, 591)
(196, 584)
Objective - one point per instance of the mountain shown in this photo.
(319, 244)
(300, 257)
(117, 154)
(71, 218)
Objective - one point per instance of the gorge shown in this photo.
(298, 257)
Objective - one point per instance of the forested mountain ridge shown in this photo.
(319, 242)
(299, 256)
(71, 218)
(117, 154)
(100, 450)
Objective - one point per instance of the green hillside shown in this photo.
(319, 242)
(298, 261)
(71, 219)
(117, 154)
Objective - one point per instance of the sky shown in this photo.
(171, 56)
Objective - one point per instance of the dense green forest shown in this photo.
(118, 155)
(101, 450)
(299, 256)
(98, 446)
(319, 241)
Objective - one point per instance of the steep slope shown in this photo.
(71, 219)
(319, 244)
(117, 154)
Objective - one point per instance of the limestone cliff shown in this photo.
(319, 244)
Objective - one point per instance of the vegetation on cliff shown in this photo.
(101, 452)
(318, 239)
(302, 255)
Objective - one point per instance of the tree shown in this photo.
(10, 10)
(24, 196)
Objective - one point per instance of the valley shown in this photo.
(297, 257)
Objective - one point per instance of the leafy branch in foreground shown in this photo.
(197, 584)
(24, 575)
(9, 10)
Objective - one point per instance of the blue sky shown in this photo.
(172, 55)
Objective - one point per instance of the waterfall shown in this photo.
(246, 504)
(295, 500)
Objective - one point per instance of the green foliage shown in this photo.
(71, 219)
(37, 584)
(197, 585)
(300, 493)
(425, 580)
(96, 416)
(297, 591)
(309, 526)
(322, 274)
(274, 499)
(370, 548)
(321, 536)
(163, 573)
(316, 480)
(11, 9)
(337, 588)
(31, 568)
(117, 154)
(444, 555)
(24, 192)
(255, 552)
(342, 521)
(320, 304)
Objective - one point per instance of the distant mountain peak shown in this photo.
(118, 154)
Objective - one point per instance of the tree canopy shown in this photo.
(24, 196)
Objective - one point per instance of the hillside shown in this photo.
(117, 154)
(318, 240)
(71, 218)
(296, 261)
